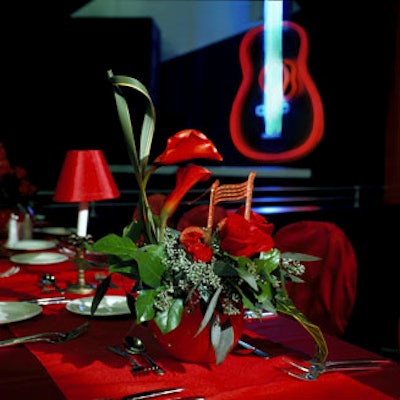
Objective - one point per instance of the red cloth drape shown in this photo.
(328, 293)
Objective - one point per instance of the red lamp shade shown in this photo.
(85, 176)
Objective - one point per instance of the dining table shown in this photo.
(84, 368)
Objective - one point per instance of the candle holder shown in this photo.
(80, 287)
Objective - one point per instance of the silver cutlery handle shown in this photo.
(26, 339)
(358, 362)
(255, 350)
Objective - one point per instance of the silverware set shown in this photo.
(136, 367)
(128, 354)
(309, 371)
(135, 346)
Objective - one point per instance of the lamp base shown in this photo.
(81, 289)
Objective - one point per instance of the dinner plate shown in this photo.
(14, 311)
(42, 258)
(32, 244)
(108, 307)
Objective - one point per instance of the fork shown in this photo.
(313, 370)
(136, 367)
(50, 337)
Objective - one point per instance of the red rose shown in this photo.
(258, 220)
(240, 237)
(200, 252)
(192, 239)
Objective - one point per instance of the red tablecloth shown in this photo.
(84, 368)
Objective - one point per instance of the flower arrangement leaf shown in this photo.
(221, 271)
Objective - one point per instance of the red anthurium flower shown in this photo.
(240, 237)
(258, 220)
(188, 144)
(186, 177)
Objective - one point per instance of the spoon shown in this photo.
(49, 279)
(134, 345)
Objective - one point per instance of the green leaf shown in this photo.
(247, 303)
(150, 266)
(210, 310)
(115, 245)
(300, 256)
(147, 132)
(144, 305)
(286, 306)
(148, 126)
(265, 293)
(100, 292)
(294, 278)
(269, 261)
(133, 231)
(223, 268)
(126, 125)
(222, 339)
(170, 319)
(248, 278)
(215, 331)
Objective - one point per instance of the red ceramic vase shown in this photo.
(182, 344)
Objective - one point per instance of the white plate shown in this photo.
(14, 311)
(33, 244)
(55, 230)
(39, 258)
(108, 307)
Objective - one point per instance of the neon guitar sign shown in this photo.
(277, 114)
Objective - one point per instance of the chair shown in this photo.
(328, 294)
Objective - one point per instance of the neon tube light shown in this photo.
(273, 90)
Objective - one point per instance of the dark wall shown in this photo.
(56, 95)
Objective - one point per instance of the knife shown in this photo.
(48, 300)
(256, 351)
(151, 393)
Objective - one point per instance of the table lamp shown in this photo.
(85, 176)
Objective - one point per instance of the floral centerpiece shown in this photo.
(220, 272)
